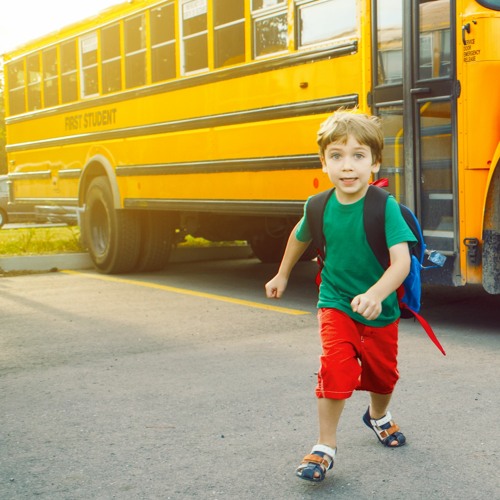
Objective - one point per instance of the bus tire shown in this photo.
(268, 248)
(491, 261)
(3, 217)
(112, 236)
(156, 241)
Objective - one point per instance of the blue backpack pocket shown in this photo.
(412, 285)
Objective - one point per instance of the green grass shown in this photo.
(190, 241)
(40, 240)
(51, 240)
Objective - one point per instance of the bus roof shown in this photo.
(103, 17)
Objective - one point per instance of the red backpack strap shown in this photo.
(382, 182)
(406, 312)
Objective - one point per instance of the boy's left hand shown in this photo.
(367, 306)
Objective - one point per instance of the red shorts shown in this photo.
(355, 356)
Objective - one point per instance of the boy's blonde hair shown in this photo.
(367, 130)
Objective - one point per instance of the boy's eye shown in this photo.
(359, 156)
(335, 156)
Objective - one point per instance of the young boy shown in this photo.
(358, 310)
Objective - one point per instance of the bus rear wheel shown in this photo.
(270, 248)
(3, 217)
(156, 241)
(112, 236)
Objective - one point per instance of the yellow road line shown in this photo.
(185, 291)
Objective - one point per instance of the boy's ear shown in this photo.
(323, 163)
(375, 167)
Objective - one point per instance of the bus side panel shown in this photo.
(471, 217)
(267, 118)
(479, 126)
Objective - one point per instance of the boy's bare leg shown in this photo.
(379, 404)
(329, 411)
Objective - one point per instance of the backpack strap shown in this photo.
(315, 209)
(314, 213)
(374, 223)
(424, 324)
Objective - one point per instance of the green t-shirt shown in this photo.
(351, 267)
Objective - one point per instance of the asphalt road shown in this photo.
(190, 384)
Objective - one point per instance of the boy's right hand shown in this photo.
(276, 287)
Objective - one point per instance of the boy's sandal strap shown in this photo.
(383, 433)
(382, 421)
(377, 424)
(323, 448)
(317, 460)
(322, 455)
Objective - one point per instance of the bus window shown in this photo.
(426, 56)
(270, 27)
(436, 152)
(445, 58)
(434, 54)
(262, 4)
(135, 52)
(390, 42)
(110, 59)
(229, 32)
(69, 83)
(393, 163)
(50, 84)
(88, 51)
(16, 88)
(34, 82)
(162, 43)
(320, 22)
(194, 35)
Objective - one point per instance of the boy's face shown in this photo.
(349, 167)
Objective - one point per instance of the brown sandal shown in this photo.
(319, 461)
(385, 429)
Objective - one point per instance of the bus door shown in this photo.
(413, 91)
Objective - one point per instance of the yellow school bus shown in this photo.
(154, 119)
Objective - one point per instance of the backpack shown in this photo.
(409, 293)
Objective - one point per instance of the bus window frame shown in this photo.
(265, 14)
(49, 79)
(109, 61)
(34, 82)
(168, 43)
(19, 89)
(219, 28)
(438, 40)
(73, 71)
(141, 51)
(278, 4)
(204, 33)
(93, 38)
(303, 5)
